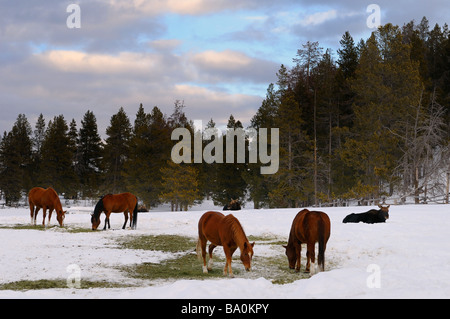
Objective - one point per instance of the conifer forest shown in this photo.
(368, 122)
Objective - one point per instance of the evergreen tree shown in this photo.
(16, 160)
(259, 185)
(207, 171)
(150, 148)
(308, 58)
(348, 56)
(89, 156)
(386, 83)
(348, 62)
(39, 134)
(37, 141)
(179, 185)
(178, 118)
(229, 183)
(57, 168)
(116, 152)
(73, 148)
(293, 182)
(327, 118)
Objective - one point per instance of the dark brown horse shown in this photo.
(308, 227)
(233, 205)
(371, 217)
(224, 231)
(121, 203)
(46, 199)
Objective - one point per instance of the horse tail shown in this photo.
(199, 249)
(135, 215)
(322, 243)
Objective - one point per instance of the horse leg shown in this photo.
(131, 219)
(50, 211)
(31, 213)
(44, 212)
(321, 257)
(227, 269)
(210, 261)
(229, 254)
(311, 256)
(202, 241)
(35, 215)
(298, 252)
(107, 220)
(228, 260)
(125, 213)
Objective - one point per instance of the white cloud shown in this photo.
(319, 17)
(71, 82)
(223, 60)
(190, 7)
(81, 62)
(257, 18)
(165, 44)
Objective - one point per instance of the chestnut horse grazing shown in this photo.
(224, 231)
(121, 203)
(308, 227)
(46, 199)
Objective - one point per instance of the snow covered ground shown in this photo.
(407, 257)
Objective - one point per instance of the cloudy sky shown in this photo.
(219, 56)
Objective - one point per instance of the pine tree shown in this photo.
(16, 160)
(39, 134)
(150, 148)
(327, 119)
(386, 83)
(259, 185)
(89, 155)
(293, 183)
(229, 183)
(73, 149)
(179, 185)
(57, 168)
(37, 141)
(308, 58)
(116, 152)
(207, 171)
(348, 62)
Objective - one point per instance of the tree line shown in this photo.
(374, 122)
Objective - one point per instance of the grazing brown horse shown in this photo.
(120, 203)
(224, 231)
(46, 199)
(308, 227)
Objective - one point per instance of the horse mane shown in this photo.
(99, 208)
(236, 229)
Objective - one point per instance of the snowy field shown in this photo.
(407, 257)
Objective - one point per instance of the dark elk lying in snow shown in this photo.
(371, 217)
(233, 205)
